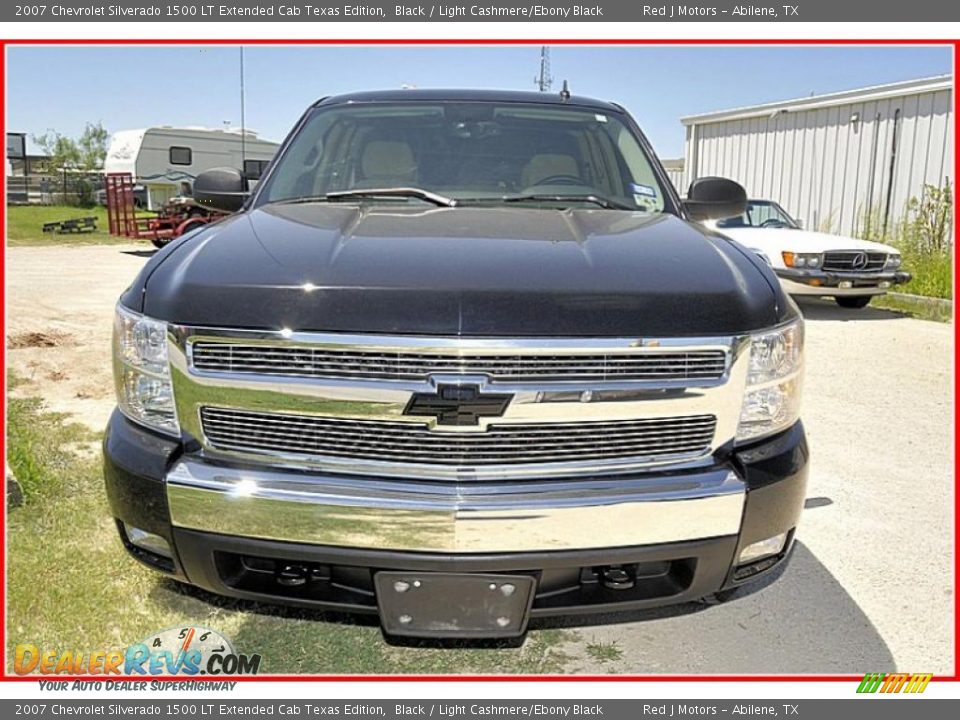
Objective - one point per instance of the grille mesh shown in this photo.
(299, 361)
(843, 261)
(403, 442)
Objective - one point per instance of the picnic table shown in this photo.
(74, 225)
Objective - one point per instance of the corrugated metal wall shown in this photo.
(837, 168)
(676, 175)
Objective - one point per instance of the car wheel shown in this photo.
(190, 227)
(855, 302)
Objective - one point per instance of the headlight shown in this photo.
(141, 372)
(802, 260)
(893, 261)
(774, 378)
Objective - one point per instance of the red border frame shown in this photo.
(955, 44)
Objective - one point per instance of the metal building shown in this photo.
(674, 170)
(846, 162)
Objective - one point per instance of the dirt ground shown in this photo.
(60, 303)
(870, 586)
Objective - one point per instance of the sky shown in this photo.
(62, 88)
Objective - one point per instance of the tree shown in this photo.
(84, 155)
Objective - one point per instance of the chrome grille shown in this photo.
(323, 362)
(843, 261)
(506, 444)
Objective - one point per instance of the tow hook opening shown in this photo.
(617, 577)
(295, 575)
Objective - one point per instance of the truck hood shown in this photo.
(460, 271)
(776, 240)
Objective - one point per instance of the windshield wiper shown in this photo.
(594, 199)
(402, 192)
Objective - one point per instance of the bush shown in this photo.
(930, 219)
(925, 241)
(924, 237)
(932, 271)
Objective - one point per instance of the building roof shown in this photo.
(813, 102)
(464, 95)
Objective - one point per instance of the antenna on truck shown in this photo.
(565, 93)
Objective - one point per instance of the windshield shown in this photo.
(470, 152)
(760, 214)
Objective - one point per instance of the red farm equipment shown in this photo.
(178, 215)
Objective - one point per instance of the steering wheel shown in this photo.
(560, 180)
(772, 222)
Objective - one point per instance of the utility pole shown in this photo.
(545, 81)
(243, 119)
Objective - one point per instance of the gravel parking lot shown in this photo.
(870, 587)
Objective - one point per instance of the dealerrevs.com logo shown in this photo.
(187, 651)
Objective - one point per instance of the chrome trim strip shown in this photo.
(446, 517)
(443, 345)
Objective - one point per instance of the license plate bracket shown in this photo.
(471, 605)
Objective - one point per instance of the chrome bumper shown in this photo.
(827, 282)
(473, 517)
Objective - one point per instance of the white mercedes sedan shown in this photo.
(813, 263)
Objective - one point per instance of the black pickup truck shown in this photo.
(461, 359)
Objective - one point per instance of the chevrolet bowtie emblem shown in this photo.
(458, 405)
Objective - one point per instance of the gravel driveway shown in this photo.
(870, 587)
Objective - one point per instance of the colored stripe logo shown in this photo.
(894, 683)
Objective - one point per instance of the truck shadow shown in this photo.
(798, 620)
(820, 309)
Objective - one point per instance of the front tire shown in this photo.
(855, 302)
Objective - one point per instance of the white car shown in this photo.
(813, 263)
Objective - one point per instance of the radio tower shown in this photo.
(545, 81)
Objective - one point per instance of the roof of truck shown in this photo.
(462, 95)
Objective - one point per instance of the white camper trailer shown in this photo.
(165, 160)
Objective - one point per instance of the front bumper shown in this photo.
(825, 282)
(245, 532)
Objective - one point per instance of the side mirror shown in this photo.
(715, 198)
(221, 189)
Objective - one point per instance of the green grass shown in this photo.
(604, 652)
(70, 585)
(25, 225)
(38, 447)
(932, 273)
(917, 308)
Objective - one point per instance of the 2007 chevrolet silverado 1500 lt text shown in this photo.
(461, 359)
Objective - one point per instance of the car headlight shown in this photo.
(774, 379)
(802, 260)
(141, 372)
(893, 261)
